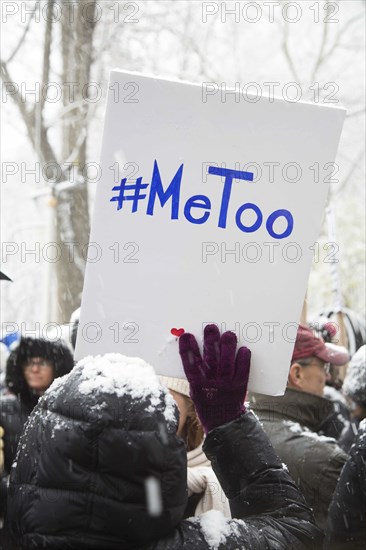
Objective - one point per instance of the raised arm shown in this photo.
(257, 484)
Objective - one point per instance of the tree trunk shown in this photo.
(72, 214)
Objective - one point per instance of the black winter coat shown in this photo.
(82, 466)
(13, 416)
(346, 527)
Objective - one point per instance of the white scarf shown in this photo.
(202, 479)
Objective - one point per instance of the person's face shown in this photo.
(358, 411)
(310, 375)
(38, 373)
(182, 406)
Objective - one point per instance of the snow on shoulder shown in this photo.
(114, 373)
(216, 528)
(295, 428)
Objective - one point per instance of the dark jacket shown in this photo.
(17, 400)
(82, 465)
(346, 526)
(338, 423)
(13, 416)
(348, 436)
(292, 423)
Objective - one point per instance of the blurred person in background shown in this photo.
(30, 369)
(294, 421)
(354, 385)
(354, 389)
(338, 423)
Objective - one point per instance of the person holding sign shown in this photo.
(100, 464)
(204, 490)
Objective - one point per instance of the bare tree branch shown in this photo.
(319, 60)
(336, 43)
(39, 143)
(27, 115)
(47, 52)
(287, 54)
(24, 34)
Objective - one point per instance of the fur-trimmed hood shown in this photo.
(56, 352)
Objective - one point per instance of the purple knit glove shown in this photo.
(218, 383)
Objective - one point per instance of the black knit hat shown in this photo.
(56, 353)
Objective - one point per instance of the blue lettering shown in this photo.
(192, 202)
(173, 191)
(273, 217)
(256, 225)
(229, 176)
(200, 201)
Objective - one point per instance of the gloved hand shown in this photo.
(218, 383)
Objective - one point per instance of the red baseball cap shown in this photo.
(309, 344)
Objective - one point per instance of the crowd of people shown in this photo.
(107, 455)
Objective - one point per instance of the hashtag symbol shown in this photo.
(135, 197)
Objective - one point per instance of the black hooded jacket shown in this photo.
(86, 460)
(346, 526)
(18, 400)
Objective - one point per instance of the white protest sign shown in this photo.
(206, 211)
